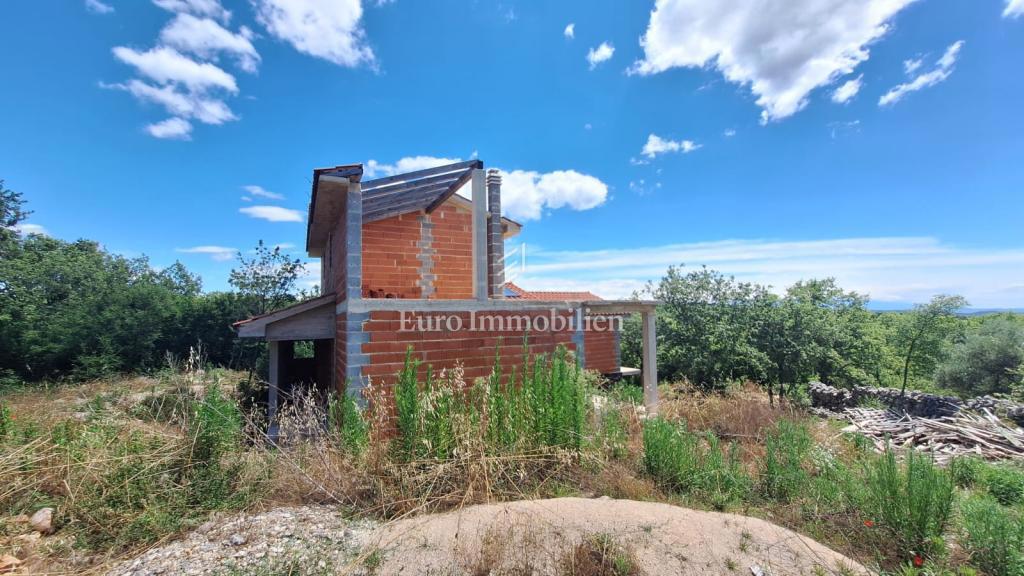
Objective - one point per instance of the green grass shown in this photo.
(993, 535)
(787, 448)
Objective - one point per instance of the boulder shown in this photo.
(42, 521)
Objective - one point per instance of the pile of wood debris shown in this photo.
(966, 433)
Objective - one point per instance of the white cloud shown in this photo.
(166, 65)
(206, 8)
(218, 253)
(25, 229)
(201, 107)
(97, 7)
(600, 54)
(262, 192)
(847, 90)
(782, 50)
(570, 30)
(373, 169)
(911, 65)
(206, 39)
(942, 71)
(729, 132)
(894, 269)
(328, 29)
(273, 213)
(1014, 8)
(524, 193)
(656, 145)
(172, 128)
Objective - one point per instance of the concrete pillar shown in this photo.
(275, 381)
(479, 236)
(650, 364)
(495, 237)
(353, 288)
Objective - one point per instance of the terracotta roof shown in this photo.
(517, 292)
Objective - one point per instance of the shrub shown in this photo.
(543, 406)
(348, 424)
(966, 471)
(215, 429)
(786, 449)
(913, 502)
(1005, 483)
(689, 463)
(993, 536)
(5, 420)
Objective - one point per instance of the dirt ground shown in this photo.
(534, 537)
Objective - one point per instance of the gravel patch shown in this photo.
(316, 537)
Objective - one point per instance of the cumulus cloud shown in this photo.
(1014, 8)
(97, 7)
(207, 39)
(218, 253)
(890, 269)
(205, 8)
(524, 193)
(781, 50)
(657, 145)
(172, 128)
(373, 169)
(166, 65)
(911, 65)
(327, 29)
(943, 69)
(847, 90)
(570, 30)
(24, 228)
(602, 53)
(197, 106)
(262, 192)
(272, 213)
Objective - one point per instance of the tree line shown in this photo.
(74, 310)
(713, 330)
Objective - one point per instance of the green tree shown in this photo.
(267, 279)
(987, 361)
(923, 333)
(12, 213)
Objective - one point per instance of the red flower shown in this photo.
(918, 561)
(869, 523)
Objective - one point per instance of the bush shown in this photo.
(347, 422)
(966, 471)
(5, 420)
(985, 361)
(993, 536)
(1005, 483)
(786, 449)
(689, 463)
(913, 502)
(545, 407)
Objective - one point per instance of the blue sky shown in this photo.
(877, 141)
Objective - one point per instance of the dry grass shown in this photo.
(599, 555)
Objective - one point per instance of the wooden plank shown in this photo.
(421, 173)
(408, 184)
(451, 190)
(427, 193)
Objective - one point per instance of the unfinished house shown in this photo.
(406, 261)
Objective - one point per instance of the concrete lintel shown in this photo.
(420, 305)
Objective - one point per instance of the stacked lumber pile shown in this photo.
(965, 433)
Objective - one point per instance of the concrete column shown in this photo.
(275, 381)
(650, 360)
(353, 288)
(495, 238)
(479, 236)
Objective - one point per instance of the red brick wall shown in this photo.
(391, 268)
(599, 351)
(336, 256)
(453, 252)
(340, 354)
(443, 349)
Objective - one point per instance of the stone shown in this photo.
(237, 540)
(42, 521)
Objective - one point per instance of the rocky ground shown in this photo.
(531, 537)
(315, 538)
